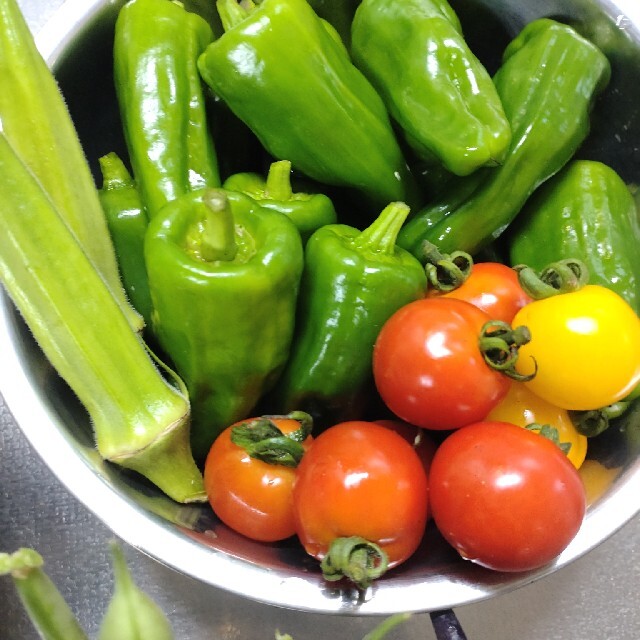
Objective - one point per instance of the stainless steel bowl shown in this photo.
(76, 42)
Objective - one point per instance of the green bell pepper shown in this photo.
(353, 281)
(127, 222)
(224, 274)
(312, 107)
(308, 211)
(547, 83)
(338, 13)
(161, 99)
(414, 53)
(585, 212)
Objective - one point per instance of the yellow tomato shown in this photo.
(586, 345)
(597, 479)
(522, 407)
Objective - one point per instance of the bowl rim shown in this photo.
(129, 521)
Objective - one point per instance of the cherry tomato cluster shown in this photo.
(488, 373)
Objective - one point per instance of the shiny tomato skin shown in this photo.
(428, 367)
(250, 496)
(504, 497)
(584, 348)
(523, 407)
(492, 287)
(361, 479)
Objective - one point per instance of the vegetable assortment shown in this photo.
(441, 387)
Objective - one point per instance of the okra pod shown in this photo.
(47, 609)
(35, 119)
(140, 421)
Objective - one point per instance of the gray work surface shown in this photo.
(595, 598)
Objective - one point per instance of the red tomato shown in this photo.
(250, 496)
(417, 437)
(492, 287)
(504, 497)
(361, 479)
(428, 367)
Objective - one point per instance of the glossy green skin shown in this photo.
(313, 108)
(308, 211)
(443, 98)
(585, 212)
(339, 13)
(547, 83)
(161, 100)
(127, 222)
(347, 294)
(226, 325)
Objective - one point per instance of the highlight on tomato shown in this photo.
(431, 367)
(522, 407)
(584, 348)
(505, 497)
(250, 471)
(360, 500)
(493, 287)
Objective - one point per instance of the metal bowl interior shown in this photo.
(77, 44)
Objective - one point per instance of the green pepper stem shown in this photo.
(215, 236)
(279, 181)
(114, 173)
(48, 611)
(232, 12)
(382, 234)
(356, 559)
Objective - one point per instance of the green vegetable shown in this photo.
(131, 614)
(283, 73)
(139, 420)
(35, 120)
(585, 212)
(44, 604)
(353, 281)
(127, 222)
(444, 100)
(547, 83)
(161, 100)
(339, 13)
(224, 275)
(308, 211)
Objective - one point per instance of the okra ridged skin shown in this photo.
(161, 99)
(140, 421)
(36, 121)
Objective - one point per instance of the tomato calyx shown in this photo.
(445, 272)
(499, 344)
(563, 276)
(594, 422)
(356, 559)
(262, 439)
(550, 433)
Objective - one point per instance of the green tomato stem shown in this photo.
(262, 439)
(499, 344)
(563, 276)
(445, 272)
(356, 559)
